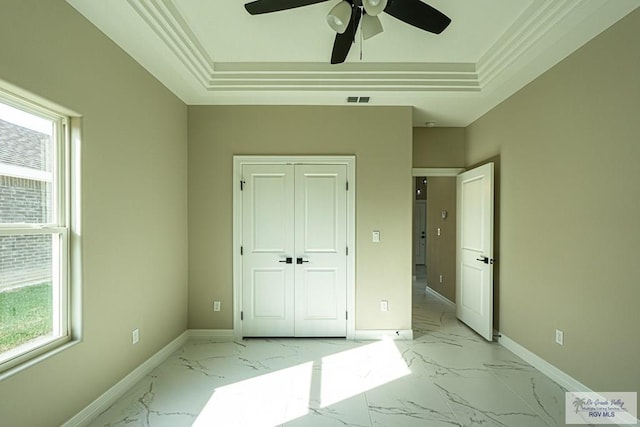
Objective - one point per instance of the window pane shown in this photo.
(26, 167)
(24, 201)
(26, 289)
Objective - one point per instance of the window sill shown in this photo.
(38, 359)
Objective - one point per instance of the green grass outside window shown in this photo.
(25, 314)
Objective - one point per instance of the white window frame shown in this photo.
(63, 226)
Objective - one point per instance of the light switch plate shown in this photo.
(376, 236)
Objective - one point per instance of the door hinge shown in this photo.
(242, 315)
(347, 250)
(346, 315)
(242, 183)
(347, 185)
(241, 250)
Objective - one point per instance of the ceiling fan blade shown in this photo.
(343, 42)
(418, 14)
(266, 6)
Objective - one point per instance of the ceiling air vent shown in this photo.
(359, 100)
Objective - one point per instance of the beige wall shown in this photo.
(380, 137)
(441, 250)
(134, 165)
(438, 147)
(570, 204)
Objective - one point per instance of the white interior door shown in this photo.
(420, 232)
(294, 276)
(474, 278)
(320, 236)
(268, 240)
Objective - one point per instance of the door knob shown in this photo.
(288, 260)
(300, 260)
(486, 260)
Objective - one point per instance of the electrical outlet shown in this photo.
(559, 337)
(441, 278)
(135, 336)
(384, 305)
(216, 306)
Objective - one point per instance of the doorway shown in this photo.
(436, 190)
(419, 229)
(420, 225)
(295, 257)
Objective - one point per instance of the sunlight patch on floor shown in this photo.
(269, 399)
(356, 371)
(287, 394)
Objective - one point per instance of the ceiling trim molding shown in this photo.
(164, 18)
(170, 26)
(357, 68)
(384, 77)
(529, 29)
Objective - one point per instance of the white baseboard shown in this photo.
(109, 397)
(216, 335)
(565, 380)
(439, 297)
(560, 377)
(378, 334)
(103, 402)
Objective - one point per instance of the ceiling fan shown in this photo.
(345, 17)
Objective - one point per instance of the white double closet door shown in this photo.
(294, 239)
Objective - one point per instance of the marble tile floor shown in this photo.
(446, 376)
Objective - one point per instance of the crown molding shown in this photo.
(530, 27)
(170, 26)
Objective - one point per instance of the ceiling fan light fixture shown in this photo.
(374, 7)
(339, 17)
(371, 26)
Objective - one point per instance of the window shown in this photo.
(35, 289)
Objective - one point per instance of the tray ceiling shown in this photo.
(215, 53)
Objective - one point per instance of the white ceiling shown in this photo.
(212, 52)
